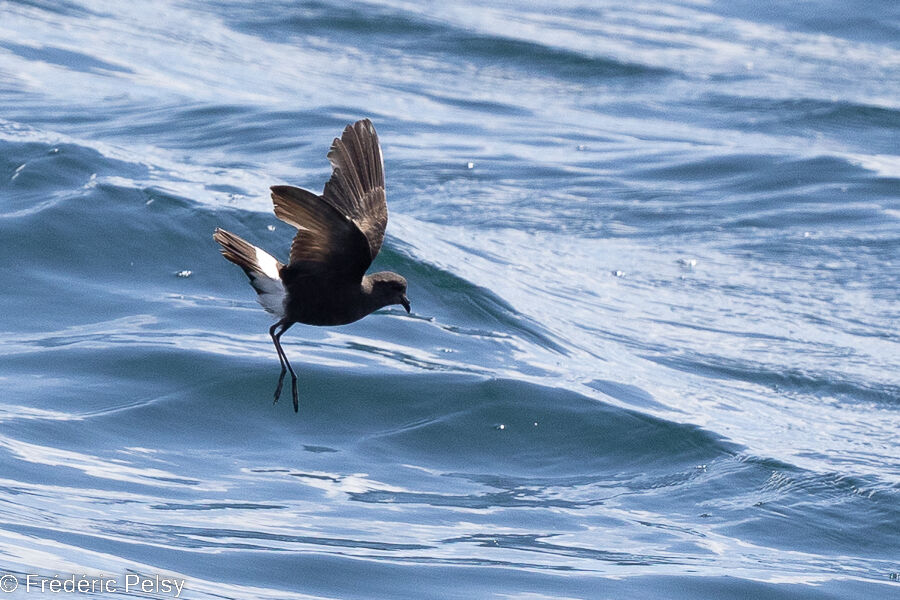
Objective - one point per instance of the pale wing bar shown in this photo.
(326, 240)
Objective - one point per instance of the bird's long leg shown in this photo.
(276, 337)
(281, 358)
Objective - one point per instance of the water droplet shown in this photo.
(270, 227)
(500, 426)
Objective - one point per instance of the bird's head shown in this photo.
(389, 288)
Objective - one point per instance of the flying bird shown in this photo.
(339, 233)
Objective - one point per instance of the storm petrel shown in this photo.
(339, 233)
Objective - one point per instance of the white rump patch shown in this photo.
(267, 283)
(267, 263)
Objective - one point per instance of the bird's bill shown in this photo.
(405, 302)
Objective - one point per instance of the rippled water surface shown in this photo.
(654, 260)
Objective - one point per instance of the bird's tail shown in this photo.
(261, 267)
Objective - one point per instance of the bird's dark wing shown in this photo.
(327, 243)
(356, 187)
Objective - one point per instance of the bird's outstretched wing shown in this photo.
(340, 232)
(327, 243)
(356, 187)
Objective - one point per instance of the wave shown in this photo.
(440, 38)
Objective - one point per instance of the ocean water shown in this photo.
(654, 258)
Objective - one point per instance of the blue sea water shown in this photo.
(654, 260)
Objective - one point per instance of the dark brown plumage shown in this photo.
(338, 235)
